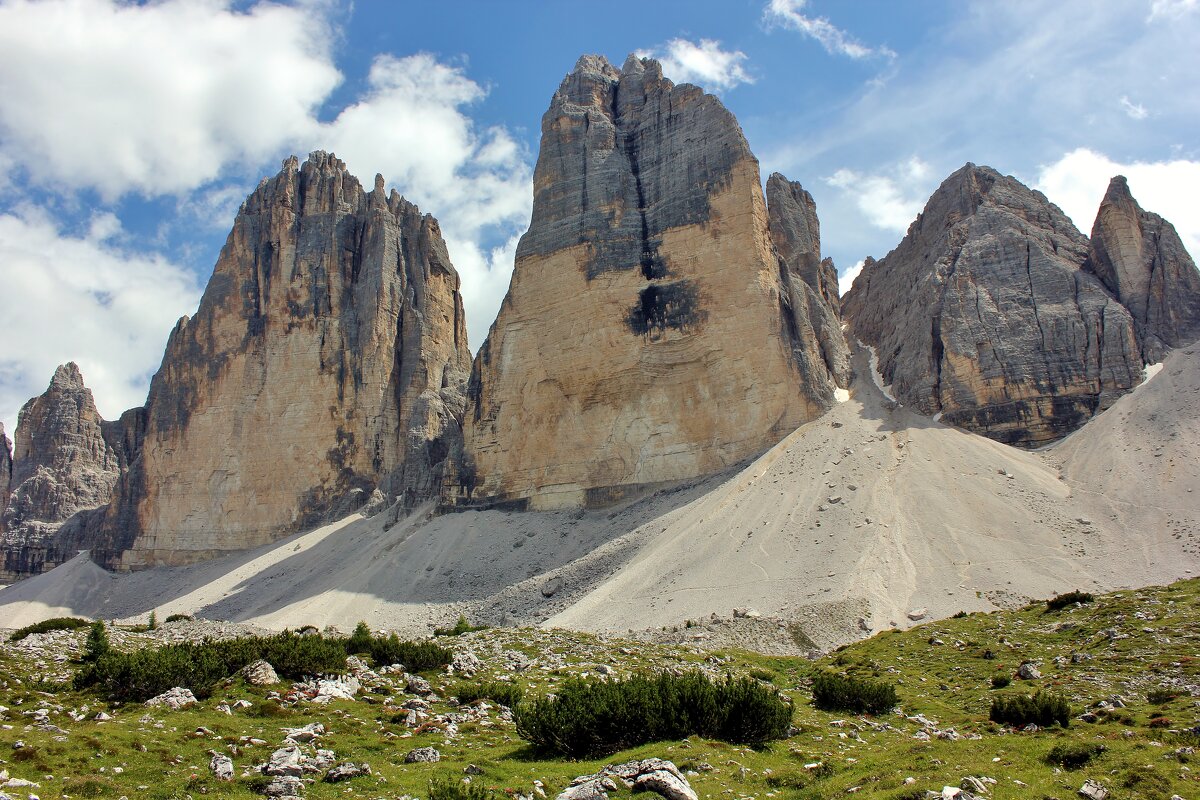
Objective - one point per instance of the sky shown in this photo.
(130, 132)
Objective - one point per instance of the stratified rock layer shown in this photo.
(5, 473)
(1142, 260)
(328, 357)
(647, 335)
(61, 466)
(983, 314)
(812, 283)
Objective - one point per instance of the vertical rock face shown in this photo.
(1142, 260)
(984, 315)
(61, 466)
(811, 282)
(328, 358)
(5, 473)
(647, 334)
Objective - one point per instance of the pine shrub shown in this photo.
(588, 718)
(1061, 601)
(46, 625)
(1073, 755)
(451, 789)
(834, 692)
(506, 694)
(1000, 681)
(1042, 709)
(178, 618)
(384, 650)
(97, 643)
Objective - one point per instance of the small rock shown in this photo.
(918, 614)
(668, 784)
(1093, 790)
(423, 755)
(259, 673)
(286, 761)
(552, 587)
(222, 767)
(1028, 671)
(305, 734)
(418, 685)
(284, 786)
(346, 771)
(173, 699)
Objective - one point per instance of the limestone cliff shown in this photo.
(5, 473)
(812, 283)
(61, 466)
(983, 314)
(1142, 261)
(648, 334)
(328, 358)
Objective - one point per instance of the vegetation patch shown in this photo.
(1073, 755)
(1043, 709)
(594, 717)
(506, 694)
(46, 625)
(460, 627)
(834, 692)
(1061, 601)
(385, 650)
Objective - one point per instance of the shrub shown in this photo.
(142, 674)
(1070, 598)
(593, 717)
(97, 643)
(55, 624)
(460, 627)
(1160, 697)
(451, 789)
(1043, 709)
(153, 622)
(1159, 722)
(179, 618)
(384, 650)
(505, 694)
(764, 675)
(1000, 681)
(834, 692)
(1073, 755)
(960, 615)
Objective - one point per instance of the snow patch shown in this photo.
(937, 417)
(1149, 371)
(841, 395)
(876, 375)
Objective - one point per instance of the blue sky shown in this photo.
(130, 132)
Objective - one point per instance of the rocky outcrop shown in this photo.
(984, 315)
(62, 465)
(648, 334)
(328, 358)
(5, 473)
(812, 283)
(1142, 261)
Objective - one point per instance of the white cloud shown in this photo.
(787, 14)
(704, 64)
(846, 279)
(889, 200)
(86, 298)
(1076, 183)
(156, 98)
(1172, 9)
(411, 126)
(1134, 110)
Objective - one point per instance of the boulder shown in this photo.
(259, 673)
(1092, 790)
(221, 767)
(173, 699)
(345, 771)
(1028, 671)
(422, 755)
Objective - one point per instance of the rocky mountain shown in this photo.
(61, 465)
(984, 316)
(1141, 259)
(648, 301)
(328, 359)
(5, 473)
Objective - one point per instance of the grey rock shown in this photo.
(259, 673)
(552, 587)
(304, 734)
(61, 466)
(670, 785)
(811, 284)
(1028, 671)
(286, 761)
(1141, 259)
(418, 685)
(221, 767)
(173, 699)
(284, 786)
(465, 663)
(983, 313)
(422, 755)
(346, 771)
(1092, 790)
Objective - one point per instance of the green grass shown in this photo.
(948, 684)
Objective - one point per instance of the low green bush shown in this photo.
(385, 650)
(1160, 697)
(834, 692)
(46, 625)
(506, 694)
(178, 618)
(452, 789)
(460, 627)
(1070, 598)
(1000, 681)
(588, 718)
(142, 674)
(1073, 755)
(1042, 709)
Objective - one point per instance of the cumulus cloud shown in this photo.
(1076, 183)
(705, 64)
(85, 297)
(155, 98)
(846, 279)
(1172, 9)
(788, 14)
(890, 199)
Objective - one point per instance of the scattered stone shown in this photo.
(222, 767)
(173, 699)
(346, 771)
(422, 755)
(918, 614)
(1028, 671)
(465, 663)
(284, 786)
(259, 673)
(305, 734)
(286, 761)
(1093, 790)
(552, 587)
(418, 685)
